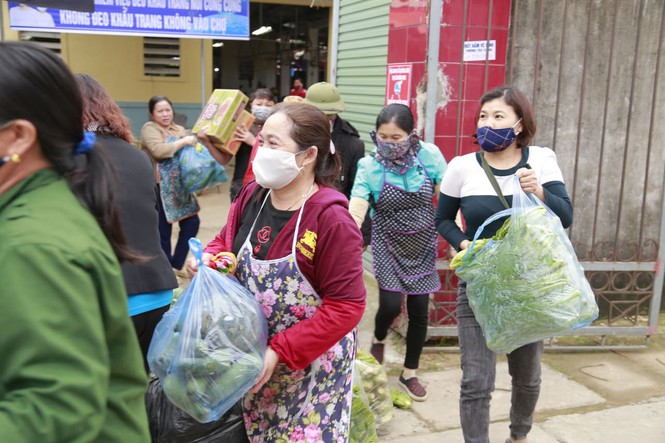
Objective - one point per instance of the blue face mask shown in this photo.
(495, 140)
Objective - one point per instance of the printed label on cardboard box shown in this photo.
(220, 115)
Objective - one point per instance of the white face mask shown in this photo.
(275, 169)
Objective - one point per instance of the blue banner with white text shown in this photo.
(215, 19)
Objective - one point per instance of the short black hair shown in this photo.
(156, 99)
(398, 113)
(522, 107)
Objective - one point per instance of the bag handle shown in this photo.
(519, 199)
(492, 180)
(197, 249)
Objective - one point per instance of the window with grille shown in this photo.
(48, 40)
(161, 57)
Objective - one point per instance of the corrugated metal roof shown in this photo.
(362, 60)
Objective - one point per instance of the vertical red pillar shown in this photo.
(468, 72)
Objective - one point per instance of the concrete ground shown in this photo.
(586, 397)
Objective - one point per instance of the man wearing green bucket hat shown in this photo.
(345, 137)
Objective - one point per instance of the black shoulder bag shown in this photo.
(492, 180)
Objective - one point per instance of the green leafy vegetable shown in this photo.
(401, 399)
(525, 284)
(363, 425)
(375, 385)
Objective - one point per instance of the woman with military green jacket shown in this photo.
(71, 368)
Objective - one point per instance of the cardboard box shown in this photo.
(222, 116)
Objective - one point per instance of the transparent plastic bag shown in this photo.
(363, 424)
(375, 386)
(208, 349)
(525, 284)
(198, 169)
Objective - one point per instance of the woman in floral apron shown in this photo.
(299, 251)
(400, 177)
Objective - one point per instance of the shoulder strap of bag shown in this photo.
(492, 180)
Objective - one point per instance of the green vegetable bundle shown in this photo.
(401, 399)
(363, 425)
(208, 349)
(375, 386)
(525, 284)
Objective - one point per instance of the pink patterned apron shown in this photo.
(308, 405)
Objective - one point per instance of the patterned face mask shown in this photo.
(397, 157)
(495, 140)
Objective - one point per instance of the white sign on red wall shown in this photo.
(398, 86)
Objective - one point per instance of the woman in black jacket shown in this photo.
(149, 283)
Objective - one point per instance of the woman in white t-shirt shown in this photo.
(506, 125)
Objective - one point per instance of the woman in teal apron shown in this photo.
(400, 177)
(290, 231)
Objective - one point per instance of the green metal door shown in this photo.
(361, 61)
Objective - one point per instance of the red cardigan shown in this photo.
(334, 269)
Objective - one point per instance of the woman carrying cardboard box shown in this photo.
(162, 138)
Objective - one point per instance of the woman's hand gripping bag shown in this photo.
(208, 349)
(525, 284)
(198, 169)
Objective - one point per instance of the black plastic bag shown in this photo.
(168, 424)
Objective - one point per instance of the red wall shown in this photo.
(407, 43)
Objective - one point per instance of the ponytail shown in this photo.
(93, 181)
(37, 86)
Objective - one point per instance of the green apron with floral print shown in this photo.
(308, 405)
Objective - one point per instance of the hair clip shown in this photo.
(86, 143)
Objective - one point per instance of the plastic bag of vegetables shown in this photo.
(363, 424)
(525, 284)
(208, 349)
(375, 386)
(198, 169)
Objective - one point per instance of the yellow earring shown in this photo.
(14, 158)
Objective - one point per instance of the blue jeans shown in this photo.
(479, 373)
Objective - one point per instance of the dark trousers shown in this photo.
(479, 373)
(189, 227)
(417, 306)
(145, 324)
